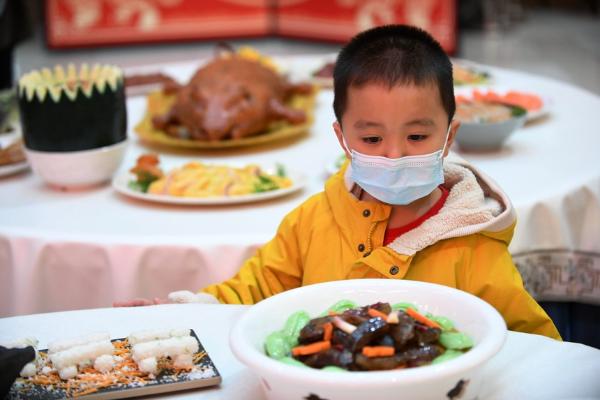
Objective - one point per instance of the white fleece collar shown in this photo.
(475, 203)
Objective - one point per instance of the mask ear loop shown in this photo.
(446, 142)
(344, 142)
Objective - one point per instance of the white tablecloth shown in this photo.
(527, 367)
(86, 249)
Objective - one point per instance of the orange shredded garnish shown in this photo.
(311, 348)
(327, 331)
(376, 313)
(378, 351)
(422, 319)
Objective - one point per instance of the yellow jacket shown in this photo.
(334, 236)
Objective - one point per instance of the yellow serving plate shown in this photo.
(159, 103)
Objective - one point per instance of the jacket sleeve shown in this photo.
(274, 268)
(493, 277)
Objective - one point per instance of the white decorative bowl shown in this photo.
(77, 169)
(461, 375)
(487, 136)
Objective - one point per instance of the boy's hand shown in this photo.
(140, 302)
(181, 297)
(185, 296)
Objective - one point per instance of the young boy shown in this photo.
(396, 211)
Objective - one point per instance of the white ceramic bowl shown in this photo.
(483, 136)
(281, 381)
(77, 169)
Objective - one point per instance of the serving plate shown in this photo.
(204, 373)
(545, 110)
(158, 103)
(10, 169)
(121, 184)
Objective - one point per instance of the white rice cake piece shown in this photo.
(171, 347)
(184, 361)
(152, 335)
(29, 369)
(149, 365)
(64, 344)
(104, 363)
(81, 354)
(68, 372)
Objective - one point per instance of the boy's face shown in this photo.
(404, 121)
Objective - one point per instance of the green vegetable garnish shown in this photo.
(277, 345)
(340, 307)
(445, 323)
(294, 325)
(517, 111)
(139, 186)
(281, 171)
(143, 181)
(456, 340)
(264, 184)
(403, 306)
(448, 355)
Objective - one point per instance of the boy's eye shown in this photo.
(416, 138)
(371, 139)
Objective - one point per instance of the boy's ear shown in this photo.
(338, 133)
(454, 125)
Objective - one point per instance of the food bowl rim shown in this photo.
(244, 350)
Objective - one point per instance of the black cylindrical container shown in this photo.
(71, 118)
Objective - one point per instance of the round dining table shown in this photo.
(75, 249)
(526, 367)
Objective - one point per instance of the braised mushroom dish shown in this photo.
(373, 337)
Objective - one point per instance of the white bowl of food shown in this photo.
(77, 169)
(286, 376)
(485, 126)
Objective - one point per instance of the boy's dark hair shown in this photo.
(392, 55)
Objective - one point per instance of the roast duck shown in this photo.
(231, 97)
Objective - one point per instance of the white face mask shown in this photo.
(398, 181)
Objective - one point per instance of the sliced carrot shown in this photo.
(378, 351)
(493, 97)
(526, 100)
(311, 348)
(477, 95)
(422, 319)
(331, 313)
(461, 99)
(327, 331)
(376, 313)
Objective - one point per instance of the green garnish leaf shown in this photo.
(281, 172)
(517, 111)
(265, 184)
(139, 186)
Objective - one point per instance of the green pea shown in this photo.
(448, 355)
(294, 325)
(293, 361)
(277, 345)
(456, 340)
(333, 368)
(341, 306)
(403, 306)
(445, 323)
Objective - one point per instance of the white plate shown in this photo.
(531, 115)
(474, 67)
(121, 184)
(10, 169)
